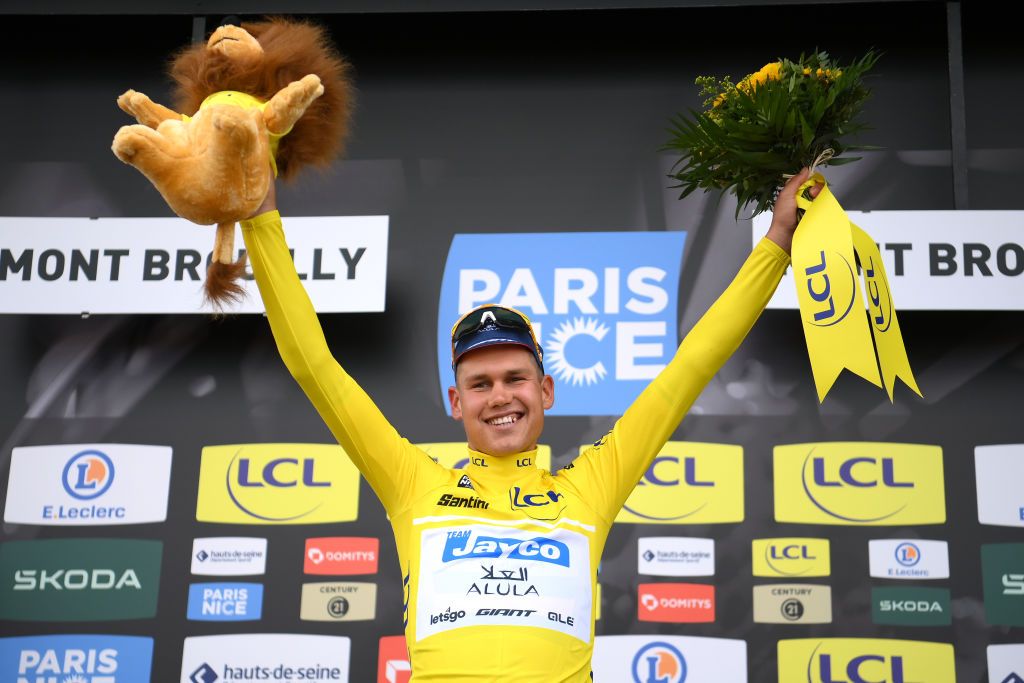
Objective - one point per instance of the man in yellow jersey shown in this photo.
(499, 560)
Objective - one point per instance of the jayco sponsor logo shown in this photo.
(229, 556)
(79, 579)
(859, 483)
(603, 306)
(669, 659)
(272, 657)
(688, 483)
(225, 601)
(463, 545)
(277, 484)
(999, 471)
(829, 660)
(76, 659)
(88, 484)
(675, 556)
(908, 559)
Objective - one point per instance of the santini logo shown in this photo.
(277, 484)
(864, 483)
(603, 306)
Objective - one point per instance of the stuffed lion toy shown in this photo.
(266, 98)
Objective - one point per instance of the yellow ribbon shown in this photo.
(827, 250)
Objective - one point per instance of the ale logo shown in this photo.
(863, 660)
(791, 557)
(94, 579)
(603, 306)
(277, 484)
(88, 475)
(1002, 568)
(688, 483)
(455, 454)
(831, 284)
(659, 662)
(859, 483)
(76, 659)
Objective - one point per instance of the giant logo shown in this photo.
(1002, 570)
(864, 660)
(76, 659)
(859, 483)
(791, 557)
(669, 659)
(88, 484)
(271, 657)
(603, 305)
(999, 471)
(82, 579)
(688, 483)
(455, 454)
(277, 484)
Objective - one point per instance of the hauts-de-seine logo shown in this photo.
(603, 306)
(829, 660)
(859, 483)
(688, 483)
(277, 484)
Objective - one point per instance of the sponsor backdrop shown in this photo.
(175, 509)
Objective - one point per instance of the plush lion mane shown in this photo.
(292, 49)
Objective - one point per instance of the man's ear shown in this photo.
(547, 390)
(456, 402)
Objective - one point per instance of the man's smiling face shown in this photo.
(500, 397)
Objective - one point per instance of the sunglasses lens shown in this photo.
(477, 319)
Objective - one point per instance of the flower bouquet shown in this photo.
(749, 138)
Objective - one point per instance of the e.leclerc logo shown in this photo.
(82, 579)
(88, 484)
(277, 484)
(76, 659)
(688, 483)
(829, 660)
(912, 559)
(603, 305)
(669, 659)
(859, 483)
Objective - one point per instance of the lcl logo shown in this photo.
(822, 291)
(653, 478)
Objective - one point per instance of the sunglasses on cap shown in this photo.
(490, 316)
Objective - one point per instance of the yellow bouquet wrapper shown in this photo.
(840, 332)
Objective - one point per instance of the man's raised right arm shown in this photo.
(390, 464)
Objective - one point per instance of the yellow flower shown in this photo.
(718, 100)
(768, 72)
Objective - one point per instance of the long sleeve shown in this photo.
(609, 470)
(393, 467)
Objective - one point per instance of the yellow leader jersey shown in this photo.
(499, 560)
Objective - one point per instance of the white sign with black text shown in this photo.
(675, 556)
(939, 260)
(158, 265)
(909, 558)
(272, 657)
(229, 556)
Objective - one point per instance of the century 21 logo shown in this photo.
(865, 660)
(688, 483)
(859, 483)
(277, 484)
